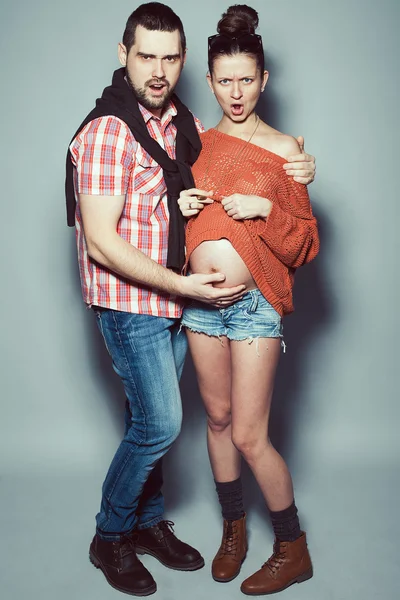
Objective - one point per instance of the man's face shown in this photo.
(153, 66)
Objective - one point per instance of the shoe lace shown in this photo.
(167, 527)
(126, 546)
(277, 559)
(230, 539)
(121, 549)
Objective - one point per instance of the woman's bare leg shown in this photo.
(212, 361)
(253, 373)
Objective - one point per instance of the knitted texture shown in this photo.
(271, 248)
(230, 497)
(286, 524)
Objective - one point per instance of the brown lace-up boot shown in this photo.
(290, 563)
(228, 560)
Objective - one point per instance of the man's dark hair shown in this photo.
(153, 16)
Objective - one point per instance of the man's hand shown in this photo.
(200, 287)
(192, 201)
(301, 166)
(241, 206)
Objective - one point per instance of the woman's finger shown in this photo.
(199, 193)
(190, 212)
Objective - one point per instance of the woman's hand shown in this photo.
(239, 206)
(301, 166)
(192, 201)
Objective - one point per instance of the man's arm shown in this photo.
(301, 166)
(100, 216)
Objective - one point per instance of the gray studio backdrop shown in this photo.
(334, 79)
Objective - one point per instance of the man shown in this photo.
(131, 251)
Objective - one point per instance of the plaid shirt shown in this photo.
(110, 162)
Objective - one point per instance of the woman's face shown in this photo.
(237, 84)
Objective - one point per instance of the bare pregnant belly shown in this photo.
(220, 256)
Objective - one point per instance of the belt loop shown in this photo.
(254, 300)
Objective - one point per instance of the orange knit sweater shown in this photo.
(271, 248)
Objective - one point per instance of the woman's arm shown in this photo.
(290, 230)
(286, 224)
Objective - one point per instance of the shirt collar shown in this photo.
(169, 112)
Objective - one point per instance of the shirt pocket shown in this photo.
(148, 178)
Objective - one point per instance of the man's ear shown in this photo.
(122, 54)
(184, 57)
(209, 81)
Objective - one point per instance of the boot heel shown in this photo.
(140, 551)
(94, 560)
(305, 576)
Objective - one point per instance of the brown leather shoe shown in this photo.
(290, 563)
(232, 552)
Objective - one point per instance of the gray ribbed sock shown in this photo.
(231, 499)
(286, 524)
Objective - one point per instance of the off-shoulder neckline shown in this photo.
(273, 155)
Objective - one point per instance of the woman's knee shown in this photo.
(219, 422)
(249, 443)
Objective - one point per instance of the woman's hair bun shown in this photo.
(237, 20)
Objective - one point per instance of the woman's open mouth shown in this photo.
(237, 109)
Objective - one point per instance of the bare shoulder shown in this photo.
(286, 145)
(279, 143)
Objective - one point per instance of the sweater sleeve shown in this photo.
(290, 230)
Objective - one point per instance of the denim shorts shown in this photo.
(249, 318)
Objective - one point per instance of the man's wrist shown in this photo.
(178, 283)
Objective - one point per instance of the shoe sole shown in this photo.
(304, 577)
(218, 580)
(98, 564)
(192, 567)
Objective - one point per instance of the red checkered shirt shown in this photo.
(110, 162)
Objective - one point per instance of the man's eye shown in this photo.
(145, 57)
(247, 80)
(171, 59)
(224, 81)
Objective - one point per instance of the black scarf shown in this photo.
(119, 100)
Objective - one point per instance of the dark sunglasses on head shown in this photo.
(250, 42)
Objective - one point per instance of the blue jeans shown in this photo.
(148, 355)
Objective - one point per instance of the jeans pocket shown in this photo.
(99, 322)
(251, 305)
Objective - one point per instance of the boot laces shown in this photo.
(167, 527)
(123, 548)
(276, 560)
(126, 546)
(230, 539)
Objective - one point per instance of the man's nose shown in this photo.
(158, 68)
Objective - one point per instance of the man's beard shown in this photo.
(150, 103)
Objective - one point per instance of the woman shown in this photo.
(250, 221)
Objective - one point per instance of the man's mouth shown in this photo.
(158, 88)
